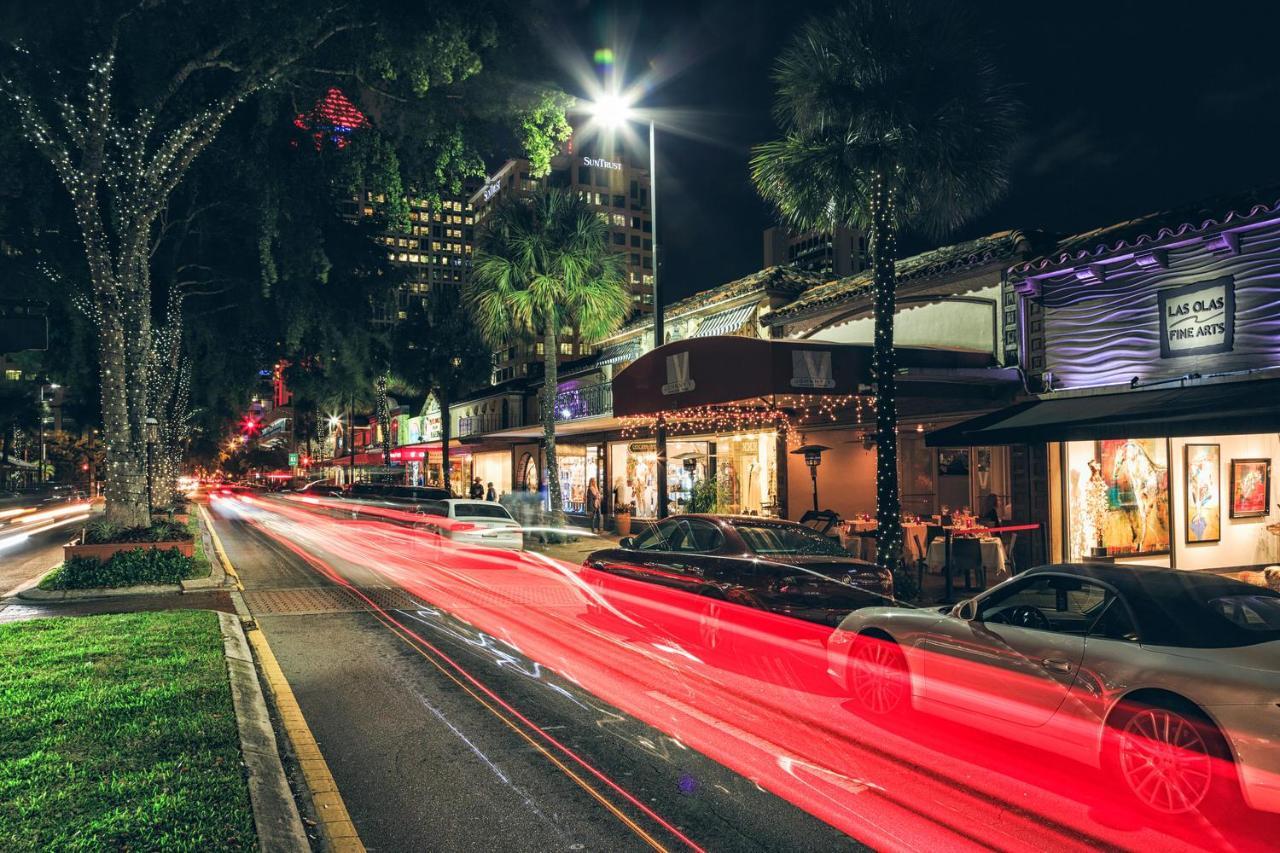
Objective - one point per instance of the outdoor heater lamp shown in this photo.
(812, 454)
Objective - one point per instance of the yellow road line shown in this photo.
(218, 549)
(331, 812)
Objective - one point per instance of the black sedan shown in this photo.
(768, 564)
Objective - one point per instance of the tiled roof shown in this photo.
(1159, 227)
(946, 259)
(776, 279)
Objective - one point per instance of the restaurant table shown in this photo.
(993, 558)
(863, 546)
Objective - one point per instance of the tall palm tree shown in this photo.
(543, 266)
(892, 116)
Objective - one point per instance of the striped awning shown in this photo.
(618, 353)
(725, 322)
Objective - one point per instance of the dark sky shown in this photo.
(1129, 108)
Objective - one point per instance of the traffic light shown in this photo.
(250, 425)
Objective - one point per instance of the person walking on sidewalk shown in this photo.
(593, 507)
(491, 494)
(477, 490)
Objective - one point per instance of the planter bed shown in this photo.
(107, 550)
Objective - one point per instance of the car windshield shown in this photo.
(786, 540)
(479, 510)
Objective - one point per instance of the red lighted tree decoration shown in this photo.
(333, 117)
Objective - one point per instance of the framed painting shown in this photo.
(1203, 493)
(1136, 472)
(1250, 487)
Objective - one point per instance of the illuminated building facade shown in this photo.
(837, 253)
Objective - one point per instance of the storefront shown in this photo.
(1161, 375)
(493, 467)
(743, 467)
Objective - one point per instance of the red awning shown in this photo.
(733, 369)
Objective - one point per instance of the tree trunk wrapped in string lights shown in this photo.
(892, 116)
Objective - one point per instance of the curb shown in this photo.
(275, 814)
(218, 550)
(338, 833)
(36, 594)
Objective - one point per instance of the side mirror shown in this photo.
(626, 542)
(966, 610)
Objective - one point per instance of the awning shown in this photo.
(725, 322)
(1225, 408)
(618, 353)
(733, 369)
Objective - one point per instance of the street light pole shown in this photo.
(659, 334)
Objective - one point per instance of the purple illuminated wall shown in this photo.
(1101, 326)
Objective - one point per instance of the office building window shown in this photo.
(584, 175)
(648, 227)
(567, 349)
(619, 201)
(635, 189)
(648, 262)
(635, 258)
(619, 239)
(635, 241)
(648, 245)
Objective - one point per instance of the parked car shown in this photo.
(1170, 679)
(471, 522)
(384, 493)
(764, 563)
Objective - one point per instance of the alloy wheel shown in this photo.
(1165, 761)
(879, 677)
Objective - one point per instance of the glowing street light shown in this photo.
(614, 109)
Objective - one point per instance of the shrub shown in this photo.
(104, 532)
(905, 585)
(126, 568)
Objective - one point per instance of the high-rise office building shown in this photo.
(838, 253)
(615, 186)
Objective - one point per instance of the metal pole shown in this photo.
(660, 433)
(813, 471)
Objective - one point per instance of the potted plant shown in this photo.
(622, 519)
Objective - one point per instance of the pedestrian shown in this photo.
(477, 490)
(491, 494)
(593, 507)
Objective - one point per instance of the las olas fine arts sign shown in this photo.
(1198, 319)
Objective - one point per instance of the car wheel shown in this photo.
(710, 621)
(878, 675)
(1171, 759)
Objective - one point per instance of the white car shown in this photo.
(1169, 679)
(473, 522)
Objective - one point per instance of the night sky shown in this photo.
(1129, 108)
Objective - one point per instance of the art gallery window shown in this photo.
(1201, 502)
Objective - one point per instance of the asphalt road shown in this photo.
(24, 557)
(425, 759)
(469, 702)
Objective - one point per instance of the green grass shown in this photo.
(118, 732)
(203, 567)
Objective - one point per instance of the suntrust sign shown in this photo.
(601, 163)
(1198, 319)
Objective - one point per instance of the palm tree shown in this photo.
(892, 115)
(544, 267)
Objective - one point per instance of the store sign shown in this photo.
(811, 369)
(408, 454)
(1198, 319)
(678, 381)
(293, 460)
(643, 447)
(599, 163)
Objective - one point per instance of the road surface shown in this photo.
(476, 700)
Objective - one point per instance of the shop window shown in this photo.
(1117, 498)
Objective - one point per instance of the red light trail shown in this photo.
(746, 688)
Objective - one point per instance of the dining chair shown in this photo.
(921, 563)
(966, 556)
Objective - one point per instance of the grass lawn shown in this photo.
(118, 732)
(203, 567)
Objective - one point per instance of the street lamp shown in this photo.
(153, 436)
(812, 454)
(614, 109)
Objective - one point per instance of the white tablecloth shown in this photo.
(993, 559)
(864, 546)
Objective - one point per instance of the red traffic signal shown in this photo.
(84, 467)
(249, 425)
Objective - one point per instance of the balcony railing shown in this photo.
(590, 402)
(480, 424)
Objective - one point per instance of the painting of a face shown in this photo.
(1204, 493)
(1250, 487)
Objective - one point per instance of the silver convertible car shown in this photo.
(1168, 679)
